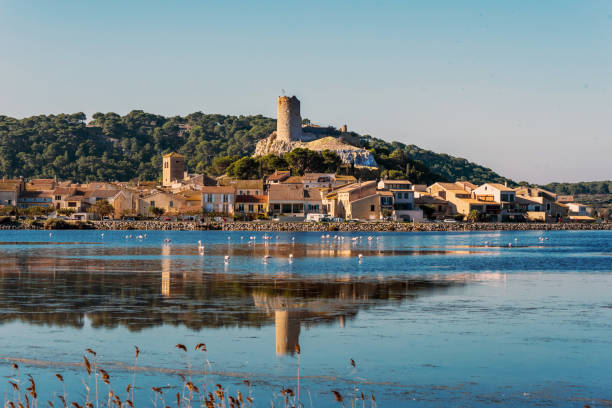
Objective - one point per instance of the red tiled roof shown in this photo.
(251, 199)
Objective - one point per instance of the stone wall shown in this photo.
(329, 227)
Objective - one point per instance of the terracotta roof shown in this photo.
(279, 175)
(293, 180)
(397, 181)
(242, 184)
(260, 199)
(101, 193)
(312, 194)
(42, 181)
(429, 200)
(75, 198)
(63, 190)
(447, 186)
(500, 187)
(174, 154)
(463, 184)
(9, 185)
(287, 192)
(345, 178)
(314, 177)
(35, 193)
(355, 186)
(218, 190)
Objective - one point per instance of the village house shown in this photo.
(10, 191)
(249, 206)
(402, 195)
(278, 176)
(34, 198)
(71, 198)
(540, 205)
(41, 185)
(93, 196)
(164, 200)
(504, 196)
(460, 200)
(322, 180)
(432, 207)
(191, 202)
(293, 200)
(218, 199)
(244, 187)
(355, 201)
(125, 203)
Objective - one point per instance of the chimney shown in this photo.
(505, 183)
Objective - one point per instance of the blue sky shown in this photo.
(523, 87)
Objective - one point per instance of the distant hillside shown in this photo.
(448, 167)
(585, 187)
(114, 147)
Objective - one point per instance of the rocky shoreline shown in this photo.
(315, 227)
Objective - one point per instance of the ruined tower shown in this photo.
(289, 120)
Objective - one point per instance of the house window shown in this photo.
(72, 204)
(248, 192)
(152, 203)
(372, 207)
(250, 207)
(259, 208)
(241, 207)
(171, 204)
(58, 198)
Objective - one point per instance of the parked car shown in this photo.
(450, 220)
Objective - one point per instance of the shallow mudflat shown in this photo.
(444, 318)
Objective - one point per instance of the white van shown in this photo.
(314, 217)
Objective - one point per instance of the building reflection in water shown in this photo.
(159, 287)
(166, 264)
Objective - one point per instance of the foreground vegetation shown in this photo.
(195, 388)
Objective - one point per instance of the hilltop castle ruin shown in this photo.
(291, 134)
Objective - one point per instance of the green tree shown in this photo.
(474, 216)
(102, 208)
(244, 168)
(156, 211)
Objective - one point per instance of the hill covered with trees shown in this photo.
(114, 147)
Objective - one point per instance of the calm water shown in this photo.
(431, 319)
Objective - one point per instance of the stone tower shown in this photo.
(289, 120)
(173, 168)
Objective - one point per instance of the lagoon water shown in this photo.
(430, 319)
